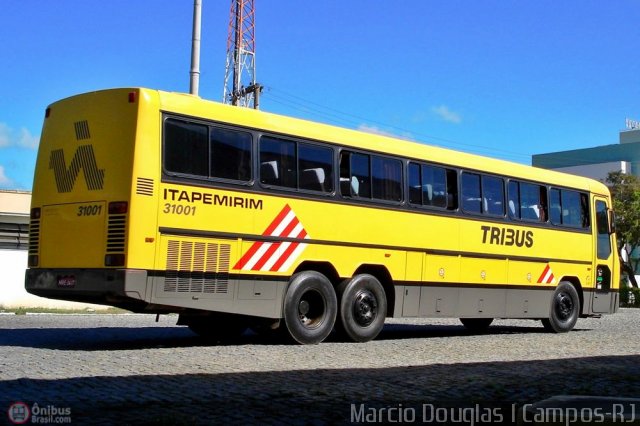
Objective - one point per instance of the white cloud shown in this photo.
(378, 131)
(27, 140)
(23, 139)
(446, 114)
(4, 180)
(4, 135)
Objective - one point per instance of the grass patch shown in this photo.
(98, 311)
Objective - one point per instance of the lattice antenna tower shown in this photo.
(240, 87)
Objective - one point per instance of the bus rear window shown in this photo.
(186, 147)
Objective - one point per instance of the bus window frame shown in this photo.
(370, 154)
(269, 188)
(448, 172)
(199, 179)
(456, 210)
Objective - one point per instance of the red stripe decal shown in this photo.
(285, 211)
(288, 252)
(266, 256)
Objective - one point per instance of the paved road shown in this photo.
(128, 369)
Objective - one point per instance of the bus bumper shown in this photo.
(118, 287)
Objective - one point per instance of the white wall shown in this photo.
(13, 264)
(597, 171)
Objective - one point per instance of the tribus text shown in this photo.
(506, 236)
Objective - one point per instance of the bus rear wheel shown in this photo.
(363, 308)
(565, 308)
(310, 307)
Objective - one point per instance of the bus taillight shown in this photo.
(118, 207)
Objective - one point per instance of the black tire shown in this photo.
(217, 327)
(310, 307)
(477, 325)
(565, 309)
(363, 308)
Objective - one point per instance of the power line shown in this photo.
(336, 116)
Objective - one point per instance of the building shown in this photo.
(14, 244)
(598, 161)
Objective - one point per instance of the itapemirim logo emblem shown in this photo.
(85, 159)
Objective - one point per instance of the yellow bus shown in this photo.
(166, 203)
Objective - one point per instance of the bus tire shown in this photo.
(565, 309)
(310, 307)
(363, 308)
(476, 325)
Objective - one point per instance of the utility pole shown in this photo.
(240, 87)
(194, 85)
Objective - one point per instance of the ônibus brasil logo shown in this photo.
(19, 413)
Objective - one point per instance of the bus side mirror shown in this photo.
(612, 221)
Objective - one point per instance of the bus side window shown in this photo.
(569, 208)
(386, 181)
(345, 175)
(230, 154)
(186, 148)
(433, 186)
(471, 201)
(555, 208)
(415, 184)
(355, 175)
(533, 202)
(278, 165)
(584, 210)
(315, 164)
(361, 171)
(514, 200)
(493, 195)
(452, 189)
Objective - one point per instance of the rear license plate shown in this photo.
(67, 281)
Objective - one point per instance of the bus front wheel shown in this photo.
(363, 307)
(310, 307)
(565, 308)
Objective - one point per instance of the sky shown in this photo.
(501, 78)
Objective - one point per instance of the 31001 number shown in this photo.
(179, 209)
(91, 210)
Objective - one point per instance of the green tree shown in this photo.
(625, 190)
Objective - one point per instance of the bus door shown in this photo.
(603, 259)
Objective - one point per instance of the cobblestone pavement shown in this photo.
(128, 369)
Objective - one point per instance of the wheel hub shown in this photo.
(311, 309)
(365, 308)
(564, 306)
